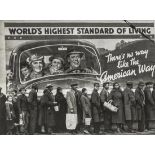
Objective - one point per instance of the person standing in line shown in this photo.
(149, 104)
(61, 114)
(153, 95)
(116, 95)
(15, 105)
(140, 103)
(46, 116)
(107, 113)
(96, 108)
(23, 108)
(86, 108)
(3, 125)
(74, 105)
(129, 105)
(33, 103)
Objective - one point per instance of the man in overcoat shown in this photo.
(74, 105)
(33, 103)
(2, 113)
(107, 113)
(149, 104)
(96, 108)
(140, 103)
(129, 105)
(46, 115)
(23, 108)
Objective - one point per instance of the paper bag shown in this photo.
(71, 121)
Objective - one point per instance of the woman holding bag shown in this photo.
(116, 95)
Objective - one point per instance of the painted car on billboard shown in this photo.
(58, 62)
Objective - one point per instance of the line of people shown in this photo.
(33, 115)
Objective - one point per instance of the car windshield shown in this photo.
(52, 60)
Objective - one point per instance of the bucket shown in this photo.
(87, 121)
(56, 108)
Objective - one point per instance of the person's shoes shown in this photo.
(108, 131)
(86, 132)
(118, 130)
(42, 129)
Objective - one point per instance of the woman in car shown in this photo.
(37, 65)
(56, 65)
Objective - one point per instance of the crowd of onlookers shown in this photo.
(22, 114)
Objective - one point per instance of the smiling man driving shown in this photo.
(74, 59)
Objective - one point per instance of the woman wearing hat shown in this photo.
(37, 64)
(116, 95)
(56, 65)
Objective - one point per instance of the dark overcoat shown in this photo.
(149, 105)
(33, 105)
(96, 106)
(86, 106)
(116, 95)
(140, 102)
(129, 104)
(61, 114)
(2, 114)
(46, 114)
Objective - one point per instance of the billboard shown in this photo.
(62, 53)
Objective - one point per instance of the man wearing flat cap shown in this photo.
(140, 103)
(149, 104)
(129, 105)
(74, 104)
(37, 63)
(74, 58)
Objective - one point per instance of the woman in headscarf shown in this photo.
(116, 95)
(61, 114)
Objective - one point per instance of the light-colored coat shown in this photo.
(71, 101)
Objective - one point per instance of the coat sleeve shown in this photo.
(30, 97)
(83, 102)
(69, 103)
(50, 99)
(126, 97)
(95, 101)
(149, 97)
(132, 97)
(153, 95)
(110, 97)
(103, 96)
(18, 104)
(138, 98)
